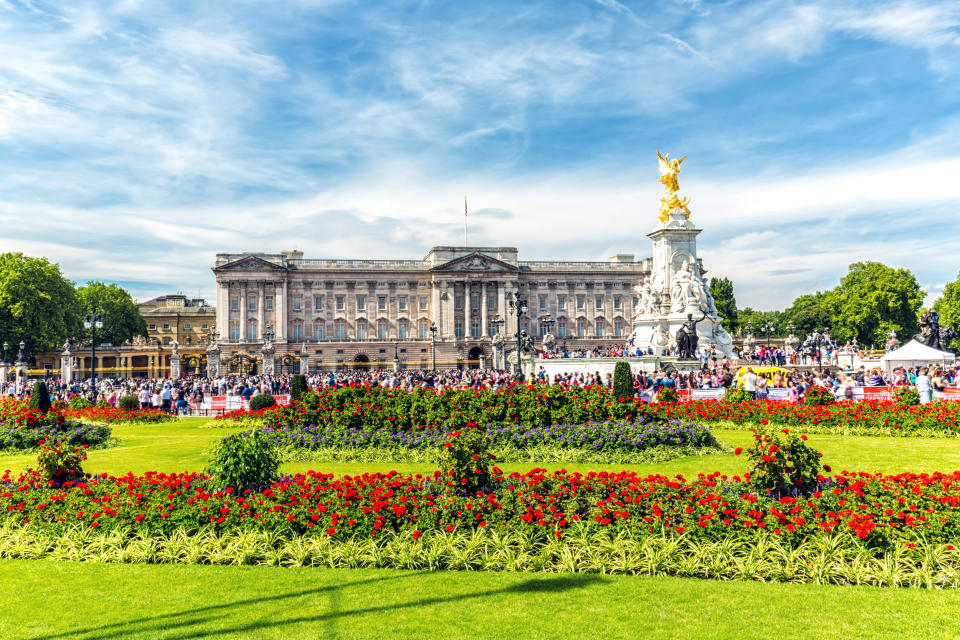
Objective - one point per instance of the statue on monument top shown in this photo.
(669, 169)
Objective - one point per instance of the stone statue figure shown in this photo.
(929, 329)
(687, 289)
(687, 340)
(175, 346)
(648, 302)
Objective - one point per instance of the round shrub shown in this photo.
(782, 462)
(464, 462)
(244, 461)
(60, 462)
(310, 399)
(907, 396)
(79, 402)
(667, 395)
(622, 380)
(818, 396)
(129, 403)
(261, 401)
(735, 394)
(39, 397)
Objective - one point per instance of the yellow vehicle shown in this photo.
(766, 372)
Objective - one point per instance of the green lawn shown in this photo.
(44, 599)
(88, 601)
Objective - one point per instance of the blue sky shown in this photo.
(138, 139)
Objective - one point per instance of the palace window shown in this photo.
(318, 332)
(166, 341)
(382, 330)
(617, 302)
(234, 303)
(402, 303)
(423, 303)
(475, 302)
(251, 331)
(339, 303)
(423, 330)
(361, 303)
(402, 330)
(381, 303)
(151, 327)
(618, 328)
(341, 331)
(581, 303)
(581, 328)
(598, 327)
(598, 302)
(543, 303)
(458, 302)
(561, 303)
(186, 327)
(268, 303)
(203, 327)
(252, 303)
(361, 331)
(490, 330)
(166, 327)
(491, 303)
(635, 302)
(562, 329)
(297, 305)
(298, 331)
(543, 329)
(475, 329)
(458, 329)
(318, 303)
(234, 332)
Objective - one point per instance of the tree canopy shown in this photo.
(121, 317)
(37, 304)
(873, 299)
(721, 289)
(807, 313)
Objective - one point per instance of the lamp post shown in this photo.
(766, 327)
(433, 345)
(396, 355)
(518, 307)
(818, 340)
(496, 324)
(5, 364)
(93, 321)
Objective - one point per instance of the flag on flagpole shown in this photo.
(465, 221)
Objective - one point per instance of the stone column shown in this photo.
(267, 352)
(174, 366)
(66, 365)
(304, 362)
(261, 327)
(437, 312)
(223, 309)
(281, 306)
(502, 303)
(243, 311)
(483, 309)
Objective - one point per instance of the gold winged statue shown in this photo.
(668, 178)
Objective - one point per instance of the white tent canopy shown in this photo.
(914, 354)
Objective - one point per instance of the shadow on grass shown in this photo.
(203, 616)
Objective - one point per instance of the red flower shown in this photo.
(449, 527)
(738, 451)
(416, 534)
(331, 531)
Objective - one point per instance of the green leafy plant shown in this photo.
(60, 462)
(309, 399)
(818, 396)
(667, 395)
(39, 397)
(782, 462)
(735, 394)
(244, 461)
(622, 380)
(298, 386)
(79, 402)
(261, 401)
(129, 403)
(907, 396)
(465, 461)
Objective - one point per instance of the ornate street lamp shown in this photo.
(767, 328)
(433, 345)
(93, 321)
(518, 307)
(497, 339)
(396, 355)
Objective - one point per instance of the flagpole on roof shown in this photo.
(465, 243)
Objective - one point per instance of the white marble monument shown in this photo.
(676, 287)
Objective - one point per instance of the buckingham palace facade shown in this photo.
(330, 313)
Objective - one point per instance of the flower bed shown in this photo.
(22, 428)
(599, 442)
(111, 415)
(372, 408)
(845, 418)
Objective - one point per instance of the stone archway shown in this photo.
(473, 357)
(362, 362)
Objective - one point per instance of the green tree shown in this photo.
(948, 306)
(121, 317)
(37, 304)
(622, 380)
(871, 300)
(807, 313)
(757, 319)
(721, 289)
